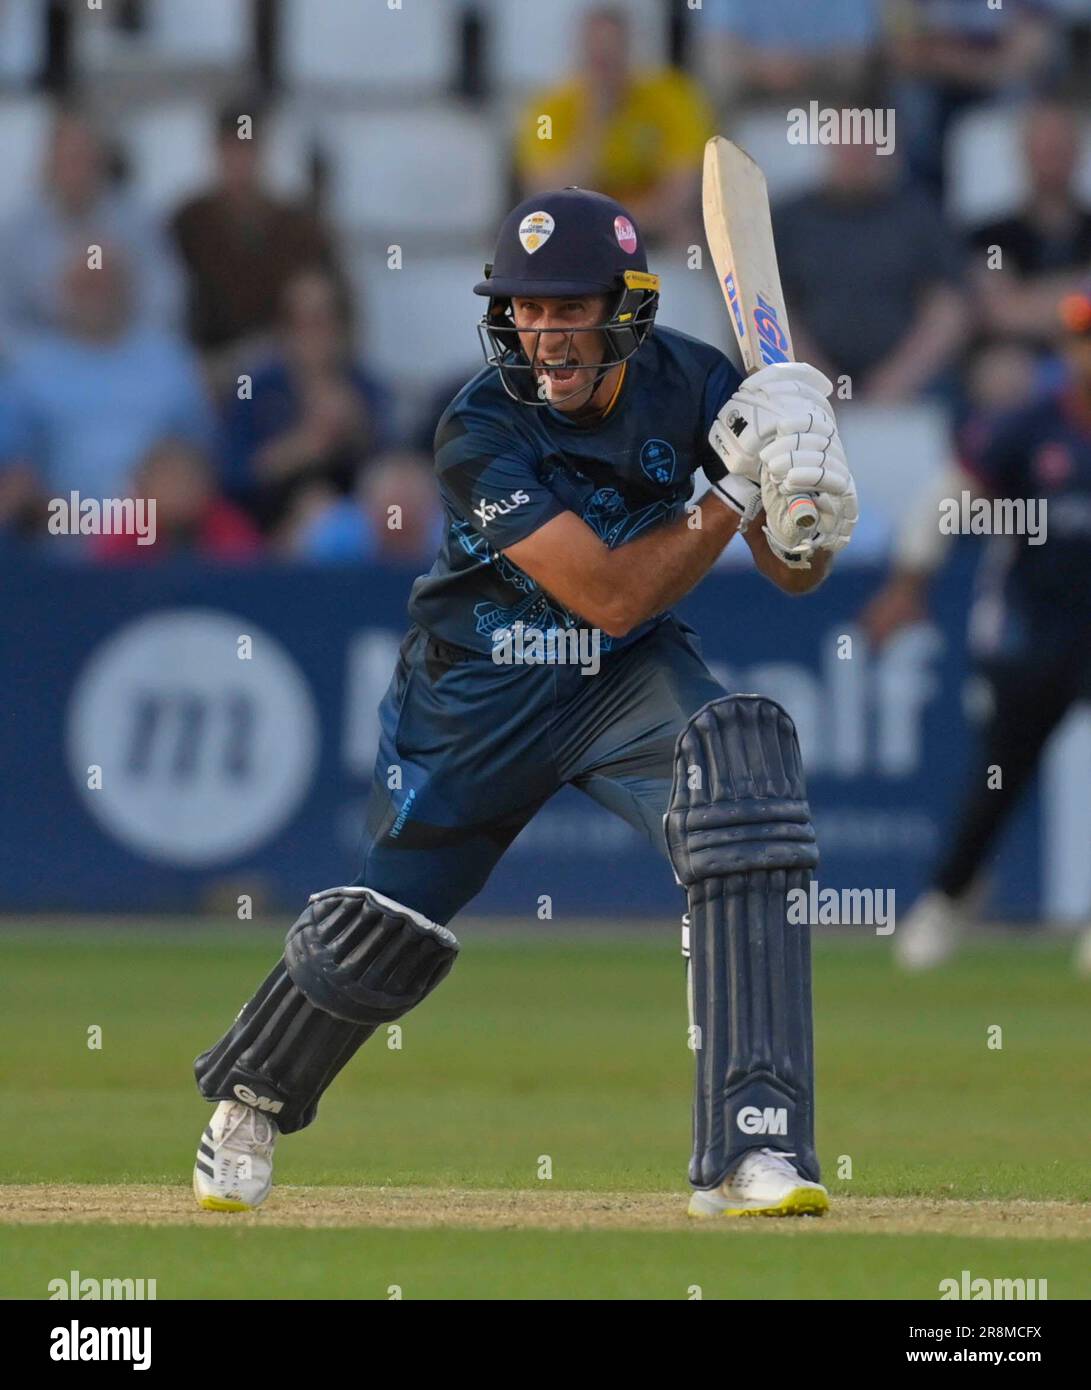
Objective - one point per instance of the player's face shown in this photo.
(565, 361)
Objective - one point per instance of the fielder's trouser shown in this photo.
(1028, 699)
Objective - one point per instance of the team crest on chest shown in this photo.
(657, 459)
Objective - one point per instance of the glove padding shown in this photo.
(837, 516)
(807, 456)
(749, 419)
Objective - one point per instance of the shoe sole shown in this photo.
(222, 1204)
(801, 1201)
(207, 1202)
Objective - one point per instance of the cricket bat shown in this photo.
(739, 231)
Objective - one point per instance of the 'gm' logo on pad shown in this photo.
(771, 1120)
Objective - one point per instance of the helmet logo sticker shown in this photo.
(535, 230)
(625, 233)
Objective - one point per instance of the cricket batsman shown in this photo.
(591, 474)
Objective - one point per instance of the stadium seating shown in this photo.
(892, 450)
(420, 321)
(789, 169)
(24, 122)
(22, 41)
(433, 173)
(986, 176)
(200, 34)
(369, 48)
(532, 45)
(171, 151)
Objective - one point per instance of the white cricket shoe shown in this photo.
(764, 1184)
(234, 1169)
(930, 934)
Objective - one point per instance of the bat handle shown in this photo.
(804, 513)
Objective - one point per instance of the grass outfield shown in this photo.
(543, 1048)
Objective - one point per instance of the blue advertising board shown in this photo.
(174, 733)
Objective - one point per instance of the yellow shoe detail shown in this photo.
(801, 1201)
(223, 1204)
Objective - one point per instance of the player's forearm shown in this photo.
(788, 578)
(1028, 307)
(656, 570)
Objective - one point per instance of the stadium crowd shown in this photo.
(214, 358)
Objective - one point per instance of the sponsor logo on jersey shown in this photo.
(535, 230)
(626, 234)
(403, 814)
(489, 511)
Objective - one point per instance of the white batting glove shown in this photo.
(780, 528)
(749, 419)
(784, 378)
(808, 457)
(837, 516)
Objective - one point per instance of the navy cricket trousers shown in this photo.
(469, 751)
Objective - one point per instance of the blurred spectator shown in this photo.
(393, 518)
(190, 515)
(635, 135)
(315, 415)
(91, 397)
(241, 245)
(782, 49)
(77, 207)
(949, 54)
(872, 278)
(21, 500)
(1046, 246)
(998, 376)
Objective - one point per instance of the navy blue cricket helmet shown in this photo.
(563, 244)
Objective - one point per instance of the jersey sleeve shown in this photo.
(488, 480)
(723, 380)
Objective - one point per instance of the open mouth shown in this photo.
(558, 373)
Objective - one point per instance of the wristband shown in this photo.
(732, 489)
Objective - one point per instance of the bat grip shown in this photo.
(804, 513)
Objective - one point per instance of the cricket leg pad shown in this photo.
(740, 838)
(354, 960)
